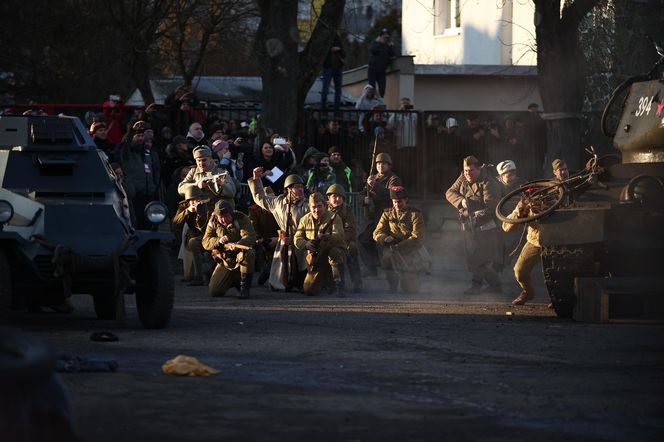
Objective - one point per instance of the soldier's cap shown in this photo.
(316, 198)
(505, 166)
(222, 208)
(557, 164)
(179, 139)
(94, 127)
(336, 188)
(191, 192)
(383, 158)
(397, 192)
(293, 179)
(202, 151)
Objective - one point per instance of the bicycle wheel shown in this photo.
(543, 197)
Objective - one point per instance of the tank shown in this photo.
(606, 221)
(65, 227)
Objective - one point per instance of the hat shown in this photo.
(384, 31)
(398, 192)
(451, 122)
(383, 158)
(293, 179)
(94, 127)
(222, 207)
(316, 198)
(179, 139)
(219, 144)
(192, 191)
(505, 166)
(202, 151)
(333, 149)
(140, 126)
(368, 86)
(336, 188)
(557, 164)
(215, 128)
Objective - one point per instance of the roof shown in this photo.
(476, 70)
(227, 89)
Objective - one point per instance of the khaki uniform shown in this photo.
(405, 258)
(227, 274)
(379, 201)
(345, 212)
(278, 206)
(226, 190)
(266, 228)
(529, 256)
(330, 252)
(483, 243)
(193, 240)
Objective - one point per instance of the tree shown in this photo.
(560, 77)
(288, 72)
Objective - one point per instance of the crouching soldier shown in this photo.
(231, 237)
(193, 212)
(400, 235)
(336, 203)
(321, 233)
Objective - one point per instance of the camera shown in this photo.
(114, 98)
(279, 141)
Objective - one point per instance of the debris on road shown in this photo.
(183, 365)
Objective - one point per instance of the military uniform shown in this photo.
(226, 190)
(266, 228)
(278, 206)
(345, 212)
(236, 263)
(482, 241)
(379, 196)
(196, 225)
(405, 258)
(330, 251)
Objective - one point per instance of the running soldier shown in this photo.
(321, 234)
(231, 238)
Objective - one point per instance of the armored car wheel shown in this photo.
(5, 286)
(542, 196)
(154, 286)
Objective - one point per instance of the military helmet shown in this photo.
(222, 207)
(293, 179)
(192, 191)
(336, 188)
(383, 158)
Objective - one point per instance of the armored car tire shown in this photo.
(154, 286)
(5, 286)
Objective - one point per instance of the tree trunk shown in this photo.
(286, 72)
(141, 76)
(560, 79)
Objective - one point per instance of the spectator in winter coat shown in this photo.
(368, 101)
(381, 54)
(114, 112)
(271, 157)
(333, 70)
(341, 171)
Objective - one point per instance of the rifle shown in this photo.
(212, 179)
(369, 207)
(218, 257)
(285, 257)
(312, 257)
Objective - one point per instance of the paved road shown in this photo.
(437, 366)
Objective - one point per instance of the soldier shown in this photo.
(193, 212)
(336, 203)
(321, 234)
(376, 199)
(531, 251)
(508, 176)
(509, 180)
(400, 233)
(288, 263)
(215, 182)
(267, 235)
(231, 238)
(475, 195)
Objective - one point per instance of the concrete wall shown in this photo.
(490, 33)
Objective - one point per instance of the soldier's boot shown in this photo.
(338, 277)
(495, 284)
(245, 284)
(523, 297)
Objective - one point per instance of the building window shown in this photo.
(447, 16)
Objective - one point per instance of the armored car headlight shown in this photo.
(155, 212)
(6, 211)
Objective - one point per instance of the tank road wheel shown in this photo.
(5, 286)
(108, 305)
(543, 197)
(154, 286)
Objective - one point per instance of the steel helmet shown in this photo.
(293, 179)
(383, 158)
(336, 188)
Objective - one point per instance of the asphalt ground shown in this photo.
(438, 365)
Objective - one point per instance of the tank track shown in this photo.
(561, 264)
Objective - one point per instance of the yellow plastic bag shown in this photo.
(183, 365)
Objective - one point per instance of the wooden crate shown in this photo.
(619, 300)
